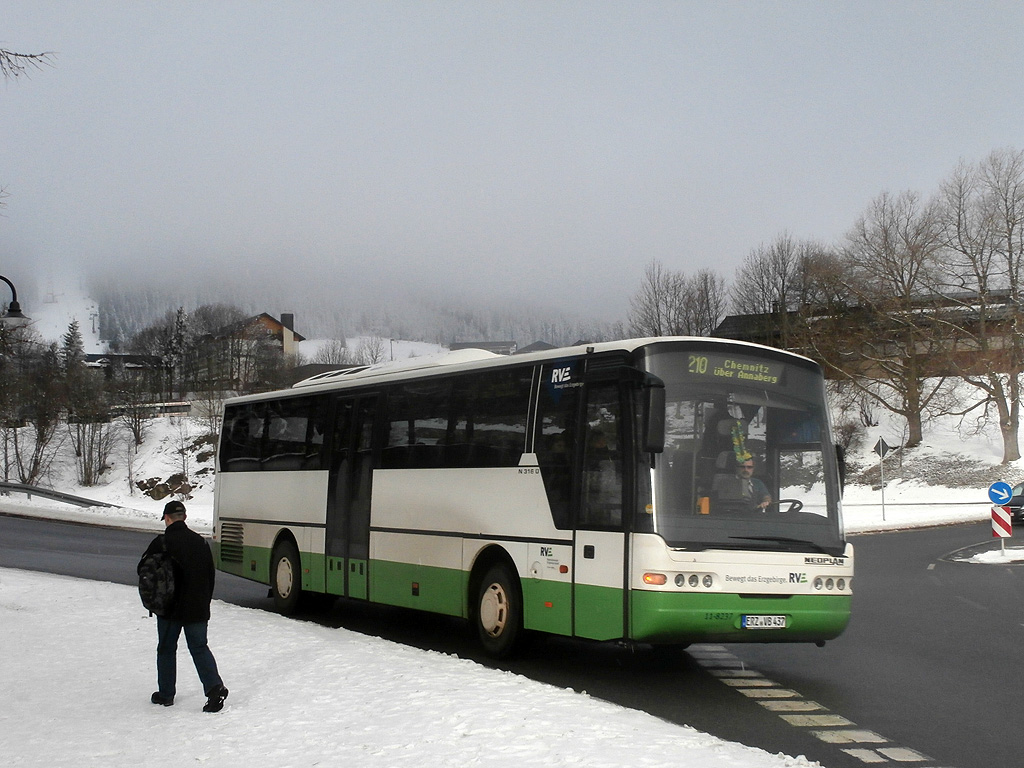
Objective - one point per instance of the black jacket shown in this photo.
(194, 576)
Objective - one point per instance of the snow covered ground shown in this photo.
(79, 668)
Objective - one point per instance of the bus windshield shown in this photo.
(749, 461)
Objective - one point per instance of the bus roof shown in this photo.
(471, 359)
(399, 366)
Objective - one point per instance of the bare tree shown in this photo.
(334, 352)
(656, 306)
(983, 233)
(371, 350)
(668, 303)
(764, 282)
(891, 258)
(156, 341)
(134, 401)
(208, 408)
(704, 303)
(778, 282)
(211, 318)
(35, 446)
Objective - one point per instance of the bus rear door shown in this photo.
(347, 546)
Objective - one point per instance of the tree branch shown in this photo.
(14, 65)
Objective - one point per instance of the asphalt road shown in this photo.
(94, 552)
(928, 672)
(933, 657)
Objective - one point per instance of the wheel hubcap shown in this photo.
(494, 610)
(284, 577)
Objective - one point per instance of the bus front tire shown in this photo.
(286, 577)
(499, 615)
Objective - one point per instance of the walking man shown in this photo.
(194, 577)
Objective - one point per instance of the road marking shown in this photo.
(749, 682)
(850, 737)
(817, 721)
(903, 755)
(733, 672)
(866, 755)
(768, 693)
(897, 754)
(825, 726)
(788, 705)
(720, 663)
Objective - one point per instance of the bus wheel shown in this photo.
(285, 577)
(499, 615)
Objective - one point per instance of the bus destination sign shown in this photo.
(736, 368)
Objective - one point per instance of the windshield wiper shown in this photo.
(835, 550)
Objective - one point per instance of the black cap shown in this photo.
(174, 508)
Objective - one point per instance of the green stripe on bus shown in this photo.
(547, 606)
(598, 612)
(668, 617)
(255, 564)
(428, 588)
(313, 566)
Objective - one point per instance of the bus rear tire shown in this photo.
(286, 577)
(499, 614)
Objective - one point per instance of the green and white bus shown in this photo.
(599, 491)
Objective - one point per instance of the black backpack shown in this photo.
(156, 580)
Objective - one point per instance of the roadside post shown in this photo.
(1002, 524)
(882, 448)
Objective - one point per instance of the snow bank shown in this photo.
(76, 693)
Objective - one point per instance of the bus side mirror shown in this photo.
(654, 416)
(841, 466)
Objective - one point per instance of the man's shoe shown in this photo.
(164, 701)
(215, 699)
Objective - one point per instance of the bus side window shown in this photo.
(315, 434)
(601, 505)
(556, 439)
(491, 428)
(240, 450)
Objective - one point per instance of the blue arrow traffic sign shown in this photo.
(1000, 492)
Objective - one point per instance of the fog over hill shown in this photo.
(412, 314)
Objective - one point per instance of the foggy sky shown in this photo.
(543, 151)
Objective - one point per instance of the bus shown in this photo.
(658, 491)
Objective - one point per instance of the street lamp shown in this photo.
(13, 317)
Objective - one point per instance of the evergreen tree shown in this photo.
(72, 350)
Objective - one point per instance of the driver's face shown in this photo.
(746, 468)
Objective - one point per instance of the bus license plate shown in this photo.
(764, 622)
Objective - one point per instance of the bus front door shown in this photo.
(599, 551)
(347, 538)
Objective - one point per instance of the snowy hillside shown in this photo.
(59, 305)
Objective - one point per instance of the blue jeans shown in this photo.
(167, 650)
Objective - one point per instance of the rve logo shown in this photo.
(797, 578)
(561, 374)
